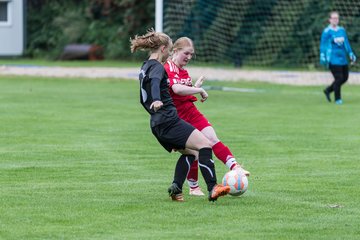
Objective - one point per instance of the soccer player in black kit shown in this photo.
(172, 132)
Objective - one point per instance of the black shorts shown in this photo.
(173, 134)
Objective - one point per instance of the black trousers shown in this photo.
(341, 75)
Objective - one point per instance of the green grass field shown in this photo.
(78, 161)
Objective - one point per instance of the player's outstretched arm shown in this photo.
(184, 90)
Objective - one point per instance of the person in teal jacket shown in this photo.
(334, 48)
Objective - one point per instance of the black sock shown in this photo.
(182, 169)
(207, 167)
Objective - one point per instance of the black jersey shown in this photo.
(154, 86)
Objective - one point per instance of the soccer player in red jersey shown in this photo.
(182, 92)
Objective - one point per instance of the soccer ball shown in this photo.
(237, 181)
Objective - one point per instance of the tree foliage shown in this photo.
(249, 32)
(52, 24)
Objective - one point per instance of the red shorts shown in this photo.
(189, 113)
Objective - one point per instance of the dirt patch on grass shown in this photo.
(219, 74)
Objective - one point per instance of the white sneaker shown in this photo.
(196, 192)
(239, 168)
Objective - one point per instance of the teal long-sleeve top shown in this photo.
(335, 46)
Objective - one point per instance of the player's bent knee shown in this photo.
(213, 141)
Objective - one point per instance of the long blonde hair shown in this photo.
(150, 41)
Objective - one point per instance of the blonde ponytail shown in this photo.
(150, 41)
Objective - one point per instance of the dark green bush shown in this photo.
(54, 24)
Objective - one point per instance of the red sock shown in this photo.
(193, 173)
(222, 152)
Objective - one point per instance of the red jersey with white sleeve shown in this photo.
(184, 104)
